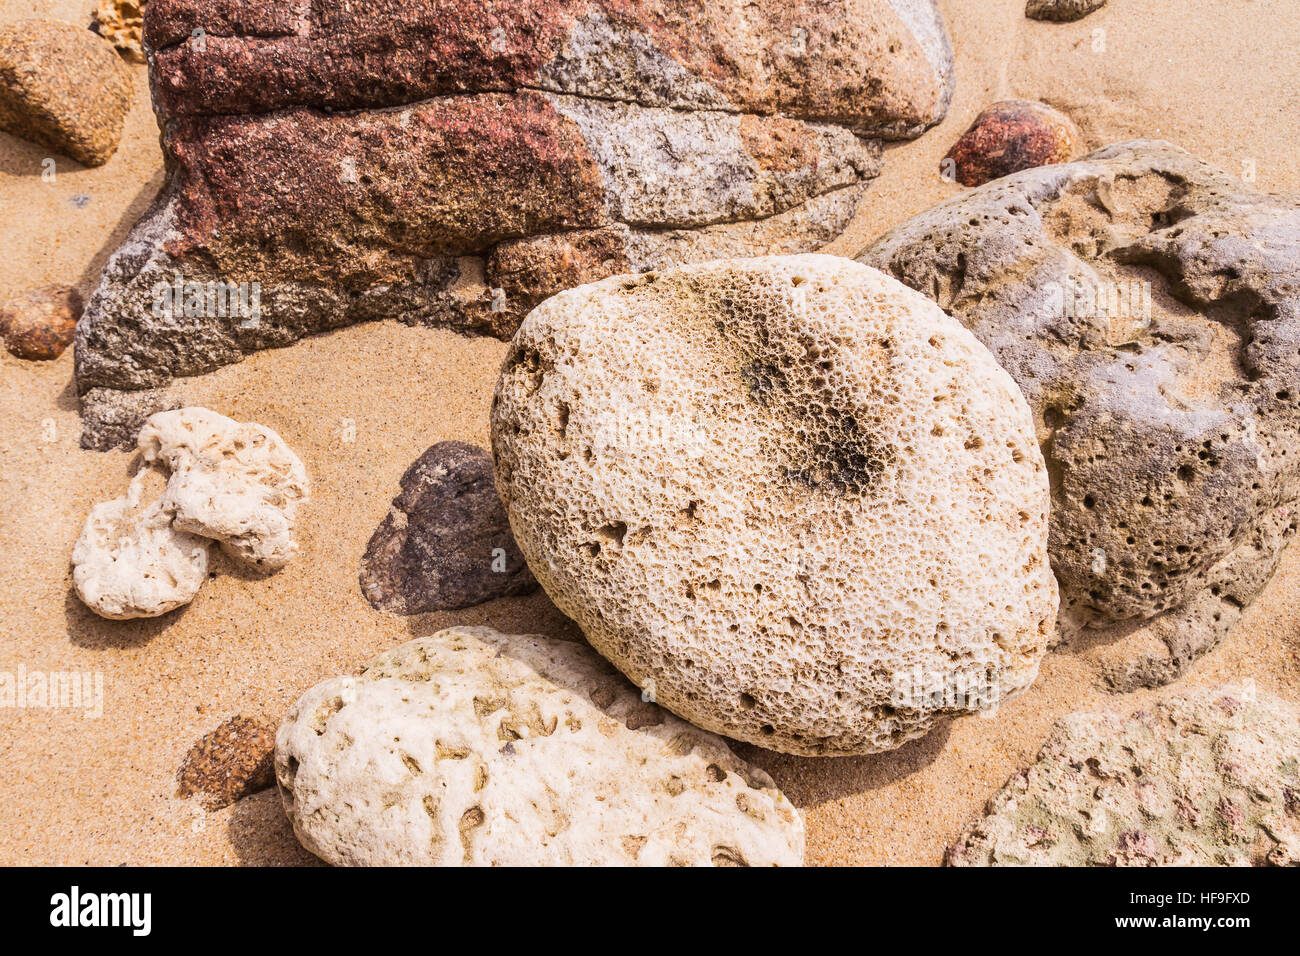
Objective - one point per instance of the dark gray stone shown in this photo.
(446, 543)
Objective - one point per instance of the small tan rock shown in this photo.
(1061, 10)
(63, 87)
(233, 761)
(1011, 136)
(40, 325)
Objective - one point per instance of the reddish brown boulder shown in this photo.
(453, 162)
(40, 325)
(1008, 137)
(874, 66)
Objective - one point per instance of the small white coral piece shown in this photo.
(130, 562)
(235, 482)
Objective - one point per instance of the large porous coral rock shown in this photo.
(1208, 778)
(1149, 307)
(446, 543)
(63, 88)
(476, 748)
(786, 495)
(454, 162)
(129, 561)
(235, 482)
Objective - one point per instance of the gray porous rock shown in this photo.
(1148, 305)
(488, 154)
(446, 542)
(1206, 778)
(475, 748)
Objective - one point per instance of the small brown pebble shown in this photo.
(235, 760)
(40, 325)
(1010, 136)
(1061, 10)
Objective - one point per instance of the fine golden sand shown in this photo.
(1218, 77)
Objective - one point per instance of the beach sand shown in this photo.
(1218, 77)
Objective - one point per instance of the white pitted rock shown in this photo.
(130, 562)
(790, 491)
(472, 747)
(238, 483)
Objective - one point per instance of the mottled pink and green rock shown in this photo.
(454, 162)
(1209, 778)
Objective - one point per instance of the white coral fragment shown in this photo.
(131, 562)
(235, 482)
(475, 748)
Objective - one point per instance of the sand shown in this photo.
(1218, 77)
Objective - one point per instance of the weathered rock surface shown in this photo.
(1209, 778)
(1061, 10)
(477, 748)
(455, 162)
(39, 325)
(446, 543)
(786, 494)
(129, 561)
(121, 22)
(230, 763)
(1010, 136)
(64, 88)
(117, 416)
(1167, 412)
(237, 483)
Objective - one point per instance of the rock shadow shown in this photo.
(812, 781)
